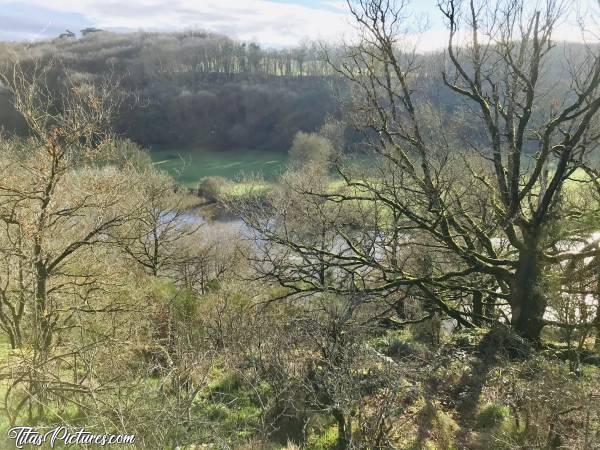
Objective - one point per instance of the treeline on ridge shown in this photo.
(193, 88)
(200, 89)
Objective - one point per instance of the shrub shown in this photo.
(326, 440)
(310, 148)
(213, 188)
(437, 426)
(399, 348)
(492, 415)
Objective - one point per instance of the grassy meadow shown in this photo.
(188, 166)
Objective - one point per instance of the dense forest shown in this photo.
(197, 88)
(436, 287)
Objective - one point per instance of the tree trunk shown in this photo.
(528, 300)
(11, 338)
(490, 306)
(343, 440)
(43, 334)
(597, 327)
(321, 259)
(477, 308)
(597, 318)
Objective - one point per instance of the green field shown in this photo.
(188, 166)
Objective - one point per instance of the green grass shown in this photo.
(188, 166)
(4, 422)
(242, 189)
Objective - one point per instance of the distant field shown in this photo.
(188, 166)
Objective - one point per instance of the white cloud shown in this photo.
(268, 22)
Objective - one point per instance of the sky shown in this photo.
(273, 23)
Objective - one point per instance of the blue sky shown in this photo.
(24, 21)
(271, 22)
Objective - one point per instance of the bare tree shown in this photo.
(526, 155)
(311, 148)
(64, 190)
(472, 209)
(151, 239)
